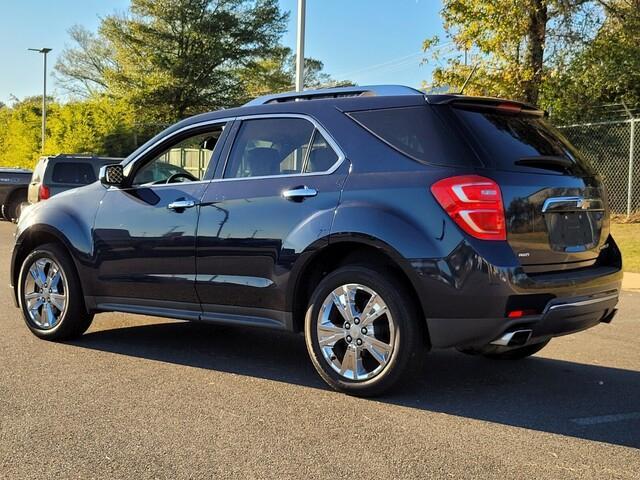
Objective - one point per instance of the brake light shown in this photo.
(509, 107)
(520, 313)
(43, 192)
(474, 203)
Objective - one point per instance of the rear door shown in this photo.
(556, 208)
(275, 197)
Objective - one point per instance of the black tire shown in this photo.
(498, 353)
(408, 347)
(11, 209)
(74, 320)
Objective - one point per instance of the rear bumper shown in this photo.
(467, 299)
(560, 317)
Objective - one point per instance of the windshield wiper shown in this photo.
(550, 162)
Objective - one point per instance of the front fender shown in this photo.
(67, 218)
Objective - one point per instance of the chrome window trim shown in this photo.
(328, 137)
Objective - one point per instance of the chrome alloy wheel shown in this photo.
(45, 293)
(356, 332)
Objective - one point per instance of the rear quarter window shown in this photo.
(70, 173)
(503, 139)
(418, 132)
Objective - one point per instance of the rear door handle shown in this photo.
(181, 204)
(299, 193)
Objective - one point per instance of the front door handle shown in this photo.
(299, 193)
(181, 204)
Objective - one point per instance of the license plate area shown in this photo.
(574, 231)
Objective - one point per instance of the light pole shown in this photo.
(44, 52)
(300, 46)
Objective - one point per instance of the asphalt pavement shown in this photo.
(140, 397)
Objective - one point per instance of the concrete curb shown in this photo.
(631, 281)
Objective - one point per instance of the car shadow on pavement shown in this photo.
(585, 401)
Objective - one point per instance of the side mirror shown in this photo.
(112, 175)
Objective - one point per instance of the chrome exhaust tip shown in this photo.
(517, 338)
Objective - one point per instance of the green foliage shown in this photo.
(565, 55)
(160, 61)
(606, 71)
(20, 128)
(99, 125)
(514, 43)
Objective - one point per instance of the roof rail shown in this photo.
(363, 91)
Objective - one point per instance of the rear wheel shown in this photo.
(11, 209)
(361, 331)
(494, 352)
(50, 295)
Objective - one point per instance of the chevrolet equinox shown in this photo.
(378, 221)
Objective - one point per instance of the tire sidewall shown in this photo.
(403, 317)
(51, 252)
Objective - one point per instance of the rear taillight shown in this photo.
(43, 192)
(474, 203)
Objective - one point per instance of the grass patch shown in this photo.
(627, 236)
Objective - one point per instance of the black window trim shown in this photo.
(317, 127)
(149, 153)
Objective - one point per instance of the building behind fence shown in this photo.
(612, 146)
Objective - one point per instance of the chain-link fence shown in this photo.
(613, 149)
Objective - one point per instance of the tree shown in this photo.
(173, 58)
(277, 74)
(607, 71)
(99, 126)
(81, 70)
(513, 43)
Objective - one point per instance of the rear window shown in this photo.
(73, 173)
(418, 132)
(506, 139)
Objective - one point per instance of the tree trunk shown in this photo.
(536, 35)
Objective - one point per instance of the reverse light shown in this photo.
(474, 203)
(43, 192)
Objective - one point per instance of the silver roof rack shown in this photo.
(363, 91)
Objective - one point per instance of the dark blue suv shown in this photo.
(378, 221)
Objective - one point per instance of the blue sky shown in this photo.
(367, 41)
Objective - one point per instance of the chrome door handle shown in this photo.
(299, 193)
(181, 204)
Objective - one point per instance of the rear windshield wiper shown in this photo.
(549, 162)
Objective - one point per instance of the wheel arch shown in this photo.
(31, 238)
(13, 195)
(352, 249)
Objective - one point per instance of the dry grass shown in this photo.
(627, 236)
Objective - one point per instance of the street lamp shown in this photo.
(300, 46)
(44, 51)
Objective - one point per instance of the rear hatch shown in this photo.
(555, 206)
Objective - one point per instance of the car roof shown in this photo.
(14, 170)
(82, 158)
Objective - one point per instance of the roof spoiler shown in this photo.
(339, 92)
(486, 103)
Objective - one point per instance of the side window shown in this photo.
(186, 160)
(321, 157)
(73, 173)
(270, 146)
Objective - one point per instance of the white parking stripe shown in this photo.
(606, 418)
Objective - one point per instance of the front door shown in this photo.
(275, 198)
(145, 234)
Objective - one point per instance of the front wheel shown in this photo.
(362, 331)
(51, 296)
